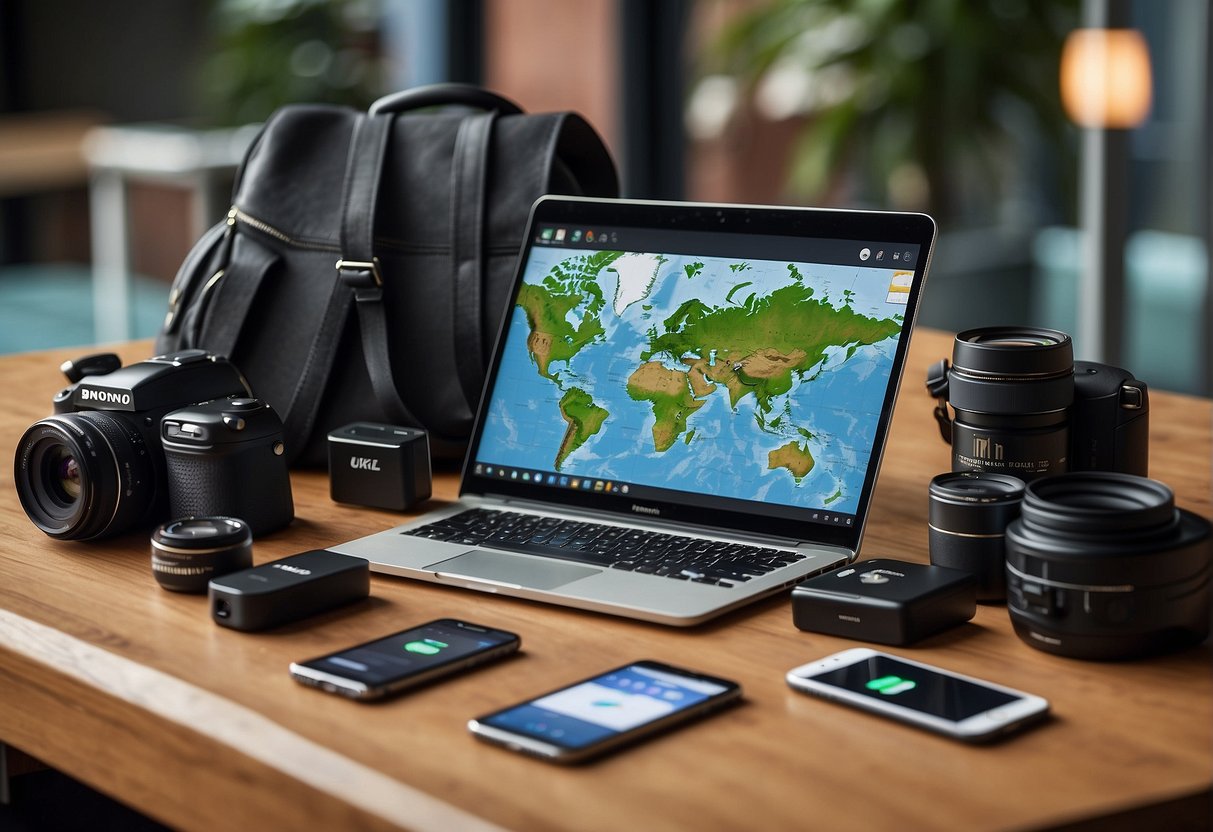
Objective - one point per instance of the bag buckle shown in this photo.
(361, 274)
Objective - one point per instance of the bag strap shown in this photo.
(358, 266)
(469, 184)
(357, 270)
(937, 386)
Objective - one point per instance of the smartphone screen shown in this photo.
(599, 713)
(930, 697)
(405, 659)
(885, 678)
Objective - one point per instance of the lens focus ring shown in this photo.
(84, 475)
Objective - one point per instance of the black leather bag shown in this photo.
(363, 269)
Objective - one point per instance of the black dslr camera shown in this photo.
(97, 467)
(1025, 407)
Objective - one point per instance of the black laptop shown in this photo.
(685, 411)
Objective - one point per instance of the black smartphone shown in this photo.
(939, 700)
(593, 716)
(405, 660)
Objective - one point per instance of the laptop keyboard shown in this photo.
(672, 556)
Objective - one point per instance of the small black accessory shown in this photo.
(967, 518)
(381, 466)
(885, 601)
(96, 364)
(367, 259)
(1025, 407)
(96, 467)
(288, 589)
(187, 553)
(226, 457)
(1104, 566)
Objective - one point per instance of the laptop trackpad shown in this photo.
(509, 569)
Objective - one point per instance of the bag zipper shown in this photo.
(235, 215)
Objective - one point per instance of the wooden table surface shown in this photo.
(135, 691)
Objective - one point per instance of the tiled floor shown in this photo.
(51, 305)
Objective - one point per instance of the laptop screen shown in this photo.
(716, 370)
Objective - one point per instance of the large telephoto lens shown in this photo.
(968, 517)
(85, 475)
(1104, 566)
(1011, 388)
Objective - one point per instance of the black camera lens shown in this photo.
(1103, 565)
(968, 517)
(1011, 388)
(188, 552)
(84, 475)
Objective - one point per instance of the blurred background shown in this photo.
(1070, 176)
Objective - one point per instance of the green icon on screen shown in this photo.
(426, 647)
(891, 685)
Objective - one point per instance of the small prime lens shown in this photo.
(1012, 389)
(188, 552)
(84, 475)
(968, 515)
(1102, 565)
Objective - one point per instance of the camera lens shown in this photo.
(1011, 388)
(62, 475)
(1103, 565)
(188, 552)
(84, 475)
(968, 516)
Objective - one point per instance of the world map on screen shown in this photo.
(744, 378)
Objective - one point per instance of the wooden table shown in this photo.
(133, 690)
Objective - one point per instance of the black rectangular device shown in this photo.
(288, 589)
(884, 600)
(593, 716)
(406, 659)
(381, 466)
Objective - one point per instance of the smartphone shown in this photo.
(596, 715)
(405, 660)
(959, 706)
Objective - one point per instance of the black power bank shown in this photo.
(886, 601)
(288, 589)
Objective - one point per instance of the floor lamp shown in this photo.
(1106, 89)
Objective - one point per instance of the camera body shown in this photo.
(225, 458)
(96, 467)
(1024, 407)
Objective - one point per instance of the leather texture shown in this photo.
(425, 211)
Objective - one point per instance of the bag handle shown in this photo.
(437, 95)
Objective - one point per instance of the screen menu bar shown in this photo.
(863, 253)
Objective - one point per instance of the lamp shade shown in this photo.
(1105, 78)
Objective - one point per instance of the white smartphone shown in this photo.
(939, 700)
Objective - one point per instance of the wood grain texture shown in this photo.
(89, 644)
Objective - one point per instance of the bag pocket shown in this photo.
(224, 302)
(208, 256)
